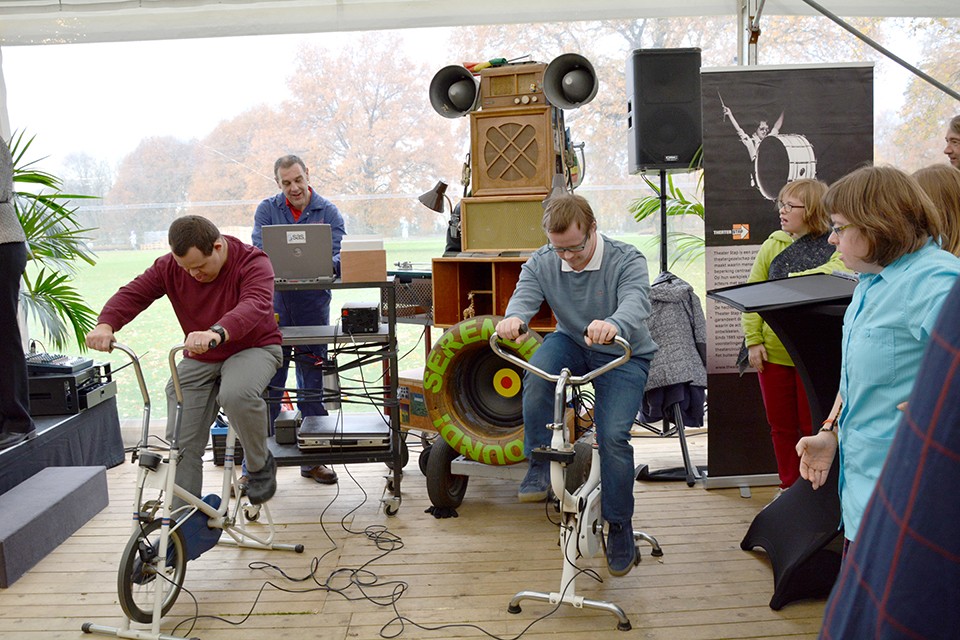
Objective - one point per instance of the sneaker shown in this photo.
(621, 548)
(263, 483)
(535, 486)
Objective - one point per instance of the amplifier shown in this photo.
(54, 395)
(360, 317)
(67, 394)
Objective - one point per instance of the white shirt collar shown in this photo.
(595, 261)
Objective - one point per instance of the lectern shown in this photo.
(797, 529)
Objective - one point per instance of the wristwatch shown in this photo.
(217, 329)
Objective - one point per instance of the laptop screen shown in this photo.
(299, 252)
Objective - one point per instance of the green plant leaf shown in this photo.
(685, 247)
(56, 242)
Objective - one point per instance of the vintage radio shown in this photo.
(512, 85)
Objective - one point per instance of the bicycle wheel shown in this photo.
(137, 583)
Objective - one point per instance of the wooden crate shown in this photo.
(467, 286)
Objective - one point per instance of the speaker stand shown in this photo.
(663, 220)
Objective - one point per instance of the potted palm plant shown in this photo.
(56, 242)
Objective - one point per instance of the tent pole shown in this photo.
(903, 63)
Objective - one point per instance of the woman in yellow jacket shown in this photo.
(800, 247)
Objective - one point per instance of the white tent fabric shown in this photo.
(26, 22)
(38, 22)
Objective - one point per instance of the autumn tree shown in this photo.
(85, 175)
(927, 109)
(234, 167)
(360, 116)
(150, 189)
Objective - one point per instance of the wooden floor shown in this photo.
(454, 577)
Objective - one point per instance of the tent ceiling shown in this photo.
(25, 22)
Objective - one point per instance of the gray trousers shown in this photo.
(237, 385)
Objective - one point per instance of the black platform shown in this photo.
(88, 439)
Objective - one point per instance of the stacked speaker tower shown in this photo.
(518, 144)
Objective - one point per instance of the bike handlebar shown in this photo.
(554, 377)
(171, 359)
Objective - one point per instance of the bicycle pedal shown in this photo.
(553, 455)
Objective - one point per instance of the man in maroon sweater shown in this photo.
(222, 293)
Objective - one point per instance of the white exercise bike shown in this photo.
(581, 523)
(154, 561)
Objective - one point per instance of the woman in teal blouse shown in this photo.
(884, 226)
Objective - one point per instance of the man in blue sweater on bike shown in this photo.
(597, 288)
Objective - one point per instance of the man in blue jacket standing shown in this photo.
(298, 203)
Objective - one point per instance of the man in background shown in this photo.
(952, 150)
(298, 203)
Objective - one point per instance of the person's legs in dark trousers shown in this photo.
(16, 424)
(788, 415)
(306, 308)
(619, 393)
(556, 352)
(309, 365)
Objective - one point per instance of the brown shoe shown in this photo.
(320, 473)
(242, 485)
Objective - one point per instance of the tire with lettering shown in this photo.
(473, 396)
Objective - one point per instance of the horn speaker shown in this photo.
(570, 81)
(663, 108)
(453, 92)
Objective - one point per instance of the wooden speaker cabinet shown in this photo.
(513, 151)
(509, 223)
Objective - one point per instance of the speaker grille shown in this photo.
(511, 152)
(509, 224)
(668, 135)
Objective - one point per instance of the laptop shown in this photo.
(344, 431)
(300, 253)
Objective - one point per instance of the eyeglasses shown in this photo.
(577, 249)
(789, 207)
(839, 230)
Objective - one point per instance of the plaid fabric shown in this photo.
(901, 576)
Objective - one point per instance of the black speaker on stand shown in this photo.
(663, 117)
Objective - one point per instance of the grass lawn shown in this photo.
(156, 330)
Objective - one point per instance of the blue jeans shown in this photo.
(618, 396)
